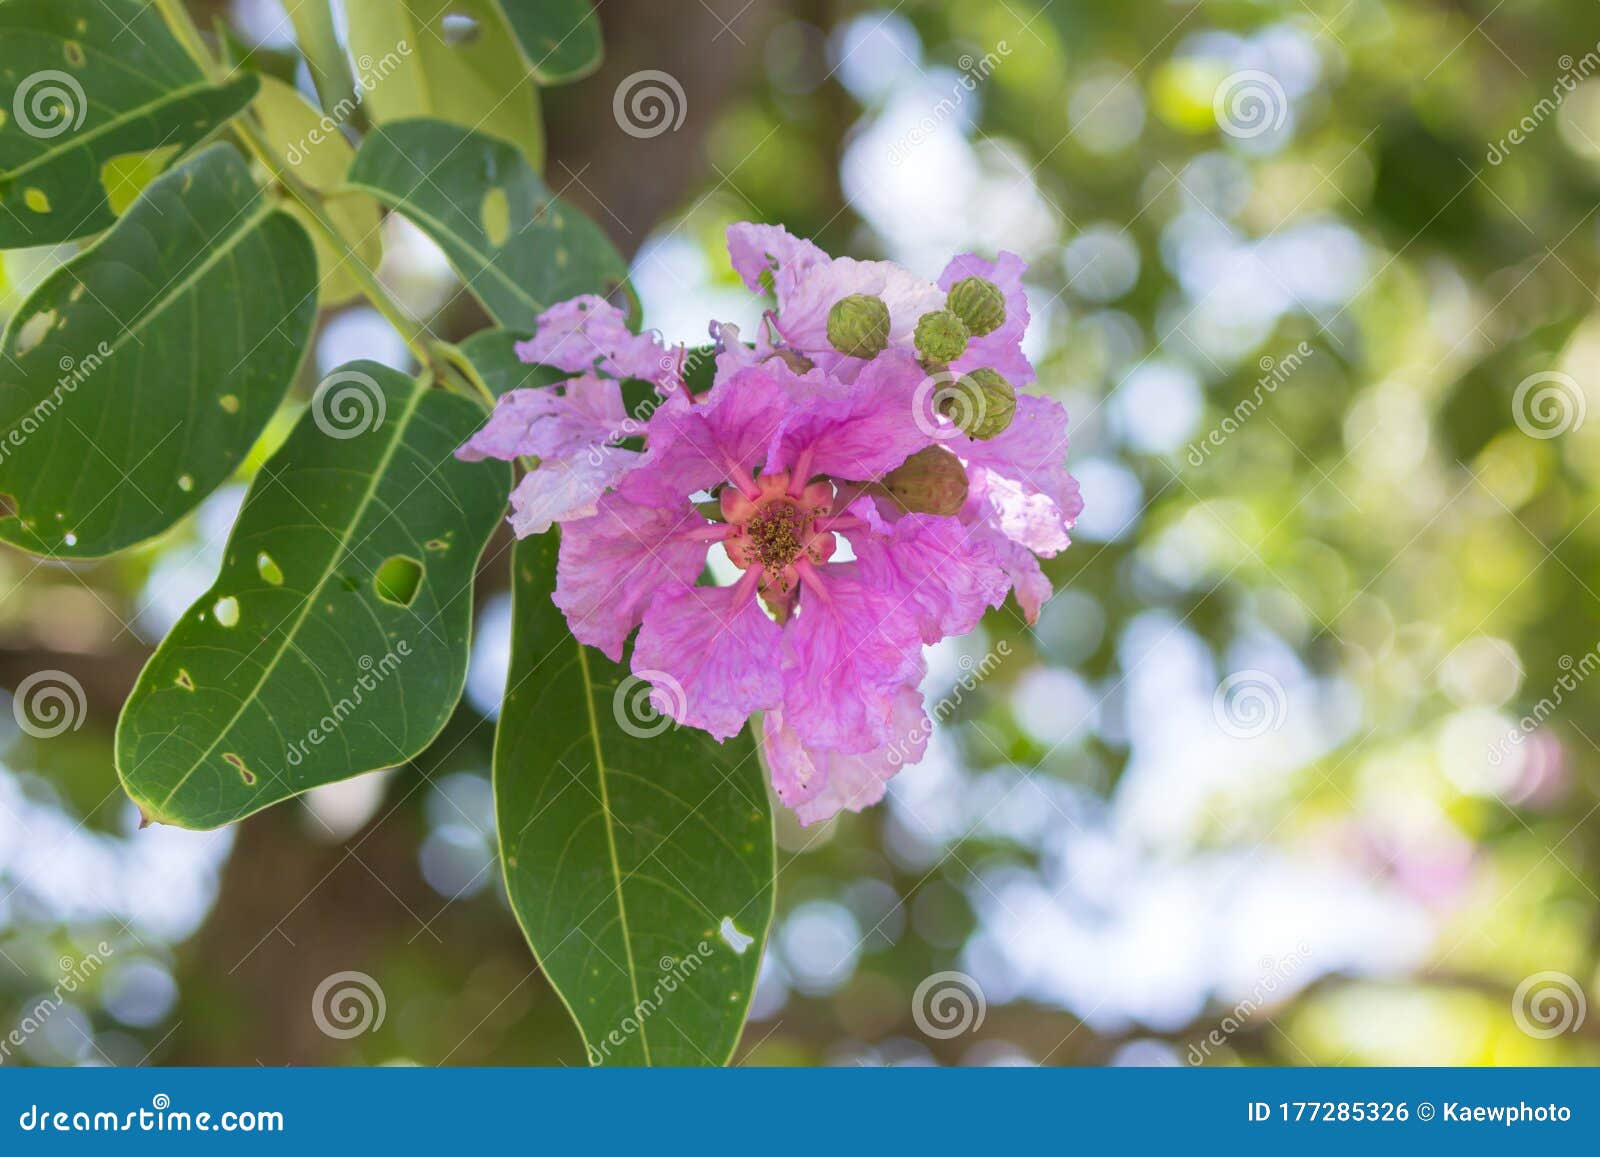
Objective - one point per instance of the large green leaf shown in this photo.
(334, 641)
(493, 354)
(518, 247)
(98, 98)
(138, 375)
(559, 38)
(467, 70)
(638, 856)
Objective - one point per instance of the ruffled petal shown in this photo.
(1022, 569)
(550, 421)
(586, 333)
(612, 563)
(695, 447)
(818, 784)
(757, 251)
(847, 654)
(565, 489)
(938, 568)
(1022, 476)
(712, 655)
(1001, 349)
(861, 434)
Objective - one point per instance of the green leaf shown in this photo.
(412, 62)
(559, 38)
(493, 354)
(314, 32)
(310, 146)
(518, 247)
(98, 95)
(142, 371)
(334, 641)
(628, 845)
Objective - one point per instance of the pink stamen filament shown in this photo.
(740, 476)
(713, 533)
(810, 578)
(801, 473)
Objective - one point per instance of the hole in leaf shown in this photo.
(227, 611)
(734, 938)
(124, 177)
(74, 54)
(271, 573)
(31, 332)
(184, 679)
(238, 764)
(36, 200)
(229, 402)
(459, 28)
(185, 482)
(398, 580)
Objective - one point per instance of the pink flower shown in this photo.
(791, 449)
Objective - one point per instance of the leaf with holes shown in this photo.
(335, 639)
(638, 855)
(99, 98)
(142, 370)
(519, 248)
(455, 60)
(559, 38)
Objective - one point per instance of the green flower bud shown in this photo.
(941, 336)
(858, 326)
(931, 481)
(982, 403)
(978, 302)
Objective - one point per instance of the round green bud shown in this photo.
(941, 336)
(858, 326)
(978, 302)
(982, 403)
(931, 481)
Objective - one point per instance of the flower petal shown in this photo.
(1000, 349)
(818, 784)
(861, 434)
(1022, 476)
(565, 489)
(695, 447)
(550, 421)
(612, 563)
(586, 333)
(936, 567)
(720, 650)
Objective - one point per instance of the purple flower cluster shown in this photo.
(874, 406)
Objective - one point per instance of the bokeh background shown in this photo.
(1247, 794)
